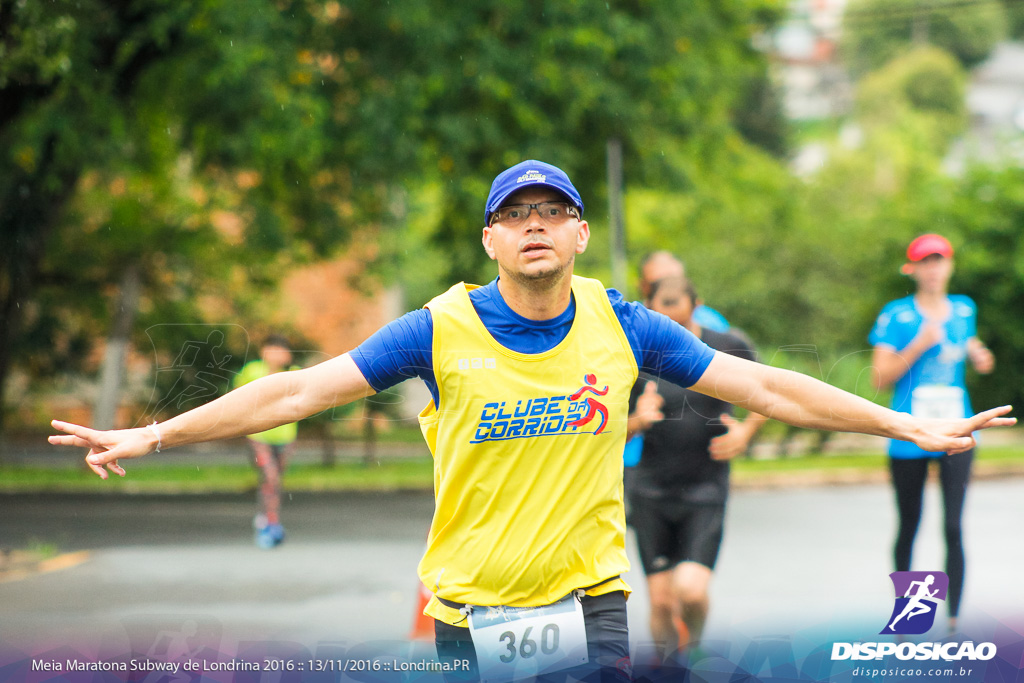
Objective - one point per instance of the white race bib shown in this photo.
(522, 642)
(941, 402)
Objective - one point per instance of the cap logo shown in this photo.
(532, 175)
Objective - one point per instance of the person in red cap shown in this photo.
(922, 344)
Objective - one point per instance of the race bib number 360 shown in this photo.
(521, 642)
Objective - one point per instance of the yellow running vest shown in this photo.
(527, 458)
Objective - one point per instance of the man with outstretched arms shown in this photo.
(530, 378)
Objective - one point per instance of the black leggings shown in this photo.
(908, 477)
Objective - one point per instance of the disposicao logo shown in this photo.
(947, 652)
(918, 595)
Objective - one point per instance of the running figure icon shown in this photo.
(916, 605)
(593, 405)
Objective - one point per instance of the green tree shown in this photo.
(873, 196)
(876, 31)
(759, 116)
(1015, 19)
(985, 216)
(158, 134)
(920, 95)
(172, 135)
(487, 84)
(803, 265)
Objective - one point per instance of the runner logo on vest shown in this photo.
(544, 416)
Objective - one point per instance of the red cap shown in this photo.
(929, 244)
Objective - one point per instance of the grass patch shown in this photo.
(403, 473)
(388, 474)
(225, 478)
(805, 463)
(858, 461)
(42, 549)
(398, 431)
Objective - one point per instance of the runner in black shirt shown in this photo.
(680, 486)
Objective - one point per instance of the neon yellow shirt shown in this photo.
(278, 436)
(527, 458)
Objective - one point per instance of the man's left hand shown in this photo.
(954, 436)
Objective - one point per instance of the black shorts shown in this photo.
(669, 532)
(604, 617)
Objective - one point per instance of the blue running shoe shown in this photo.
(270, 536)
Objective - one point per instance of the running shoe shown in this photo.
(270, 536)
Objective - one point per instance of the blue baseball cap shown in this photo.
(525, 174)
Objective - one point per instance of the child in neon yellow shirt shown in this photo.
(272, 447)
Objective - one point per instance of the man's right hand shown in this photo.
(106, 447)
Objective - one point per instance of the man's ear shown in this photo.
(582, 237)
(485, 238)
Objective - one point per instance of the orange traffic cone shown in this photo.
(422, 625)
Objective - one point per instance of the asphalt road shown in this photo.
(792, 560)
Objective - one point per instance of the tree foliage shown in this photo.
(495, 83)
(987, 213)
(1015, 19)
(214, 143)
(921, 94)
(759, 117)
(186, 138)
(804, 266)
(877, 31)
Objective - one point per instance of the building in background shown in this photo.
(806, 51)
(995, 102)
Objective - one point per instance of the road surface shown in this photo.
(793, 560)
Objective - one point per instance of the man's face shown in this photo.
(659, 267)
(673, 302)
(536, 250)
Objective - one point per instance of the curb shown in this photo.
(852, 477)
(23, 565)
